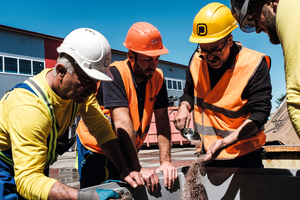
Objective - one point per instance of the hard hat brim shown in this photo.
(97, 75)
(195, 39)
(156, 52)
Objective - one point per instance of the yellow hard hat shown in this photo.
(212, 23)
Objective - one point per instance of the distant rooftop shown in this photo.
(35, 34)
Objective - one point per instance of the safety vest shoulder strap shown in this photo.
(34, 86)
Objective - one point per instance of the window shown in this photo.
(24, 66)
(11, 65)
(173, 84)
(169, 84)
(179, 85)
(37, 67)
(1, 64)
(20, 65)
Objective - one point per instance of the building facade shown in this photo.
(24, 53)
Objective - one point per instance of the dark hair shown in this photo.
(135, 54)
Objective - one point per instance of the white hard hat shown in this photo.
(91, 51)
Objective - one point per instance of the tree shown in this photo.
(279, 100)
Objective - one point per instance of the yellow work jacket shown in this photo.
(141, 127)
(220, 111)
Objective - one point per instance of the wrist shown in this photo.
(165, 161)
(87, 195)
(185, 105)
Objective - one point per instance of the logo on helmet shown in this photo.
(154, 41)
(106, 62)
(201, 29)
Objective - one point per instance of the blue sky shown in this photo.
(174, 20)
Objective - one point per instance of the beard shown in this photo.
(271, 26)
(140, 73)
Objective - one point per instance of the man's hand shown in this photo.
(214, 150)
(170, 173)
(182, 118)
(151, 179)
(134, 178)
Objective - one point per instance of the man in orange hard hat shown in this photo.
(129, 101)
(228, 86)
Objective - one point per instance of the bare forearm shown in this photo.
(247, 129)
(163, 133)
(125, 130)
(60, 191)
(123, 122)
(126, 134)
(164, 145)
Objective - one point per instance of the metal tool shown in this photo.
(190, 134)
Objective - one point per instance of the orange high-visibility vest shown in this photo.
(220, 111)
(152, 89)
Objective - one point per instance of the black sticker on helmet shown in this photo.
(201, 29)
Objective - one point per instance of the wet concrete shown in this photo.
(64, 171)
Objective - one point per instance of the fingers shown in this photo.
(170, 176)
(151, 179)
(187, 122)
(179, 123)
(152, 182)
(207, 158)
(135, 179)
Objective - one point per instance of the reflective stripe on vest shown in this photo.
(220, 111)
(53, 133)
(141, 127)
(35, 87)
(6, 159)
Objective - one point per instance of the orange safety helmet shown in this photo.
(144, 38)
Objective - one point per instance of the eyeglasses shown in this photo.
(204, 53)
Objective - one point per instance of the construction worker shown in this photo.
(280, 20)
(36, 114)
(129, 101)
(228, 87)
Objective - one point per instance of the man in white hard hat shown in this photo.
(36, 114)
(280, 19)
(137, 92)
(228, 86)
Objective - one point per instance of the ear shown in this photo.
(60, 70)
(275, 4)
(130, 57)
(230, 41)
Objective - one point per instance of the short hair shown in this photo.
(135, 54)
(67, 61)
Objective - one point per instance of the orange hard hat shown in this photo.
(144, 38)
